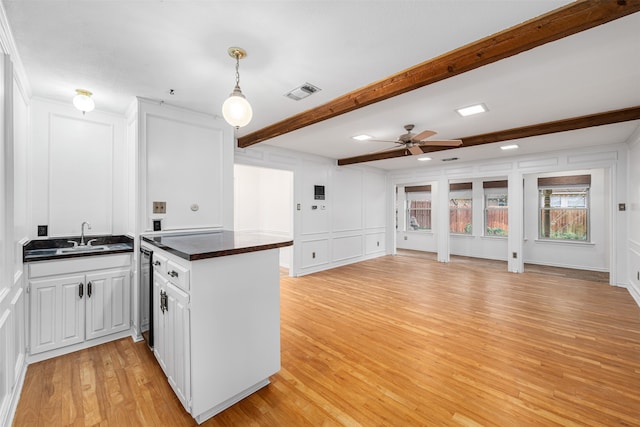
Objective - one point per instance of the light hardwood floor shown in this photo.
(395, 341)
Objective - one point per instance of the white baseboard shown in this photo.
(15, 397)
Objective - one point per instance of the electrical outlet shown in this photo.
(514, 255)
(406, 237)
(638, 275)
(313, 255)
(43, 230)
(159, 207)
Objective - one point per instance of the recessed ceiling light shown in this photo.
(509, 147)
(472, 109)
(424, 159)
(362, 137)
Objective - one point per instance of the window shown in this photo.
(460, 208)
(564, 207)
(496, 208)
(418, 207)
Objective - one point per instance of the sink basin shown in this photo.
(86, 248)
(43, 252)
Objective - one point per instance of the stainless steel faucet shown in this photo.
(82, 232)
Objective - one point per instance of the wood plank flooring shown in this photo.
(392, 342)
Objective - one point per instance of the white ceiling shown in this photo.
(122, 49)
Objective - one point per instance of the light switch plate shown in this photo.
(159, 207)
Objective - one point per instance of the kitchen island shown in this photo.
(216, 315)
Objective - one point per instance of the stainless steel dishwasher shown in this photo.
(145, 297)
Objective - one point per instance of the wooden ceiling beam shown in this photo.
(574, 123)
(565, 21)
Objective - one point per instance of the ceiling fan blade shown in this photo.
(441, 143)
(385, 140)
(384, 150)
(415, 150)
(423, 135)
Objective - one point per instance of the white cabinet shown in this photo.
(172, 335)
(107, 303)
(216, 326)
(75, 300)
(57, 312)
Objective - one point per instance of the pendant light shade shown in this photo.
(236, 110)
(82, 101)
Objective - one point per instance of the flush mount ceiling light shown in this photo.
(361, 137)
(82, 101)
(236, 109)
(424, 159)
(509, 147)
(471, 110)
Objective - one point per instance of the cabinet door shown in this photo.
(178, 342)
(159, 338)
(107, 300)
(57, 312)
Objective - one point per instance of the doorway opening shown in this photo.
(263, 203)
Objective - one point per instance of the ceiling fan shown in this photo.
(412, 142)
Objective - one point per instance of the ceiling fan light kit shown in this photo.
(236, 109)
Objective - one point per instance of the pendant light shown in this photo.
(82, 101)
(236, 109)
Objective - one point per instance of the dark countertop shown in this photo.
(47, 249)
(211, 244)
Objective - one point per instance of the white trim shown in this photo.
(8, 46)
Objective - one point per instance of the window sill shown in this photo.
(461, 235)
(417, 231)
(565, 242)
(495, 237)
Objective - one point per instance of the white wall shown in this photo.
(78, 170)
(13, 214)
(632, 216)
(592, 255)
(263, 202)
(348, 226)
(186, 160)
(607, 163)
(473, 245)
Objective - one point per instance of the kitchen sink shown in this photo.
(49, 249)
(94, 248)
(87, 248)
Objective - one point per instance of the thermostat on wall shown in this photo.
(318, 192)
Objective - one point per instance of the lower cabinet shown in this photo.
(172, 335)
(216, 326)
(70, 306)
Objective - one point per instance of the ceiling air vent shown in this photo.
(450, 159)
(302, 92)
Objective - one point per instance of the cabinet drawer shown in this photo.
(81, 264)
(159, 263)
(178, 275)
